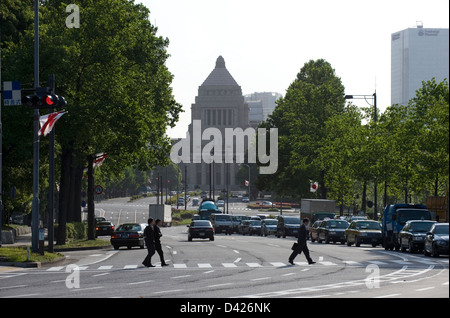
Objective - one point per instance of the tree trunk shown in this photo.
(64, 195)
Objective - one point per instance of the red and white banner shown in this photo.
(99, 158)
(246, 183)
(48, 121)
(313, 186)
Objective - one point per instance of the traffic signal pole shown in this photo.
(35, 204)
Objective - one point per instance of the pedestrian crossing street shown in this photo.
(415, 262)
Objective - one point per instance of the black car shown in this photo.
(200, 229)
(104, 228)
(288, 226)
(129, 235)
(332, 230)
(365, 232)
(412, 236)
(436, 241)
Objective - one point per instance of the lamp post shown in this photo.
(374, 99)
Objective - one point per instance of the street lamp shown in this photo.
(374, 98)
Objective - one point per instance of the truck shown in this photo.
(439, 206)
(206, 208)
(317, 209)
(162, 212)
(394, 218)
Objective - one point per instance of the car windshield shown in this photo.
(421, 226)
(129, 227)
(441, 229)
(368, 226)
(337, 224)
(255, 222)
(271, 222)
(292, 220)
(200, 224)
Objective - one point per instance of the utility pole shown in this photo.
(35, 204)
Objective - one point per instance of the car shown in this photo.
(412, 236)
(364, 232)
(195, 201)
(245, 199)
(237, 219)
(200, 229)
(268, 227)
(267, 204)
(288, 226)
(243, 226)
(222, 223)
(313, 230)
(104, 228)
(332, 230)
(251, 227)
(220, 203)
(129, 235)
(180, 201)
(436, 241)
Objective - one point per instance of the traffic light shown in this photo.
(43, 98)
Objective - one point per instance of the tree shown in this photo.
(316, 95)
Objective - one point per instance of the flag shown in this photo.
(246, 183)
(99, 158)
(48, 121)
(313, 186)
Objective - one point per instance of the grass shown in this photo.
(19, 255)
(84, 243)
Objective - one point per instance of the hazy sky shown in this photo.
(265, 43)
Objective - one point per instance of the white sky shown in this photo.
(265, 43)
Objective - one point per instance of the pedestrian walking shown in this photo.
(149, 234)
(301, 244)
(158, 246)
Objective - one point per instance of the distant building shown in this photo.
(261, 105)
(219, 104)
(417, 54)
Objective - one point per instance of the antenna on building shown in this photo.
(419, 24)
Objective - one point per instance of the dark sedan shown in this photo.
(254, 227)
(129, 235)
(436, 241)
(412, 236)
(104, 228)
(332, 230)
(365, 232)
(200, 229)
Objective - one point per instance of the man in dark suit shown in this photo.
(301, 244)
(149, 234)
(158, 246)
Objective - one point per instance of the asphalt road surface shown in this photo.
(230, 266)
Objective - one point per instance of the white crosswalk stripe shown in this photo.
(320, 262)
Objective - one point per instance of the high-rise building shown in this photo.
(417, 54)
(261, 105)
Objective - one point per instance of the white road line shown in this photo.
(130, 266)
(219, 285)
(253, 264)
(229, 265)
(387, 296)
(278, 264)
(236, 251)
(182, 276)
(262, 278)
(168, 291)
(237, 260)
(102, 274)
(143, 282)
(105, 267)
(204, 265)
(423, 289)
(179, 265)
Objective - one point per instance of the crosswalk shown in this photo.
(252, 265)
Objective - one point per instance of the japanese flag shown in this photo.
(313, 186)
(246, 183)
(48, 121)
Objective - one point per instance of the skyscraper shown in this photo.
(417, 54)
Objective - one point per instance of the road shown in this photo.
(231, 266)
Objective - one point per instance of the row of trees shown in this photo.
(405, 152)
(112, 72)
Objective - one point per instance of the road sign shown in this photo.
(83, 204)
(12, 93)
(98, 189)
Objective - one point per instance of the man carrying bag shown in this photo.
(301, 246)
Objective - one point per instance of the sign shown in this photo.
(12, 93)
(83, 204)
(99, 189)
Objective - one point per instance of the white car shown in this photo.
(220, 203)
(245, 199)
